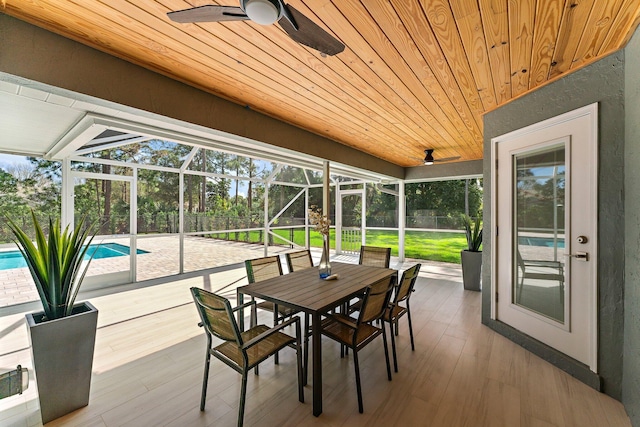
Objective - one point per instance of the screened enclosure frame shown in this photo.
(103, 133)
(96, 133)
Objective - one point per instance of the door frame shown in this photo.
(111, 279)
(351, 192)
(591, 111)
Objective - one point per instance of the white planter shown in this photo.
(62, 351)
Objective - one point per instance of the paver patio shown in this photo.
(162, 260)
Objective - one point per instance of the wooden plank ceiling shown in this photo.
(414, 74)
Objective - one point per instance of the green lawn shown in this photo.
(435, 246)
(440, 246)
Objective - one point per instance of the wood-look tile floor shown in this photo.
(149, 361)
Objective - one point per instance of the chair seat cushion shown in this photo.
(256, 353)
(342, 328)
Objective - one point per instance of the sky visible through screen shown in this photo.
(7, 160)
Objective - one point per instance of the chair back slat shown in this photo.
(375, 300)
(404, 289)
(299, 260)
(375, 256)
(263, 268)
(216, 315)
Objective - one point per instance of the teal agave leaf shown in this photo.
(55, 262)
(473, 231)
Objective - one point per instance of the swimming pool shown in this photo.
(541, 241)
(14, 259)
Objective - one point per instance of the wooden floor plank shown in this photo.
(150, 353)
(499, 405)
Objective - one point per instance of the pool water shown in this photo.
(14, 259)
(540, 241)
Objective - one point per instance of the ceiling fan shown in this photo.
(266, 12)
(429, 159)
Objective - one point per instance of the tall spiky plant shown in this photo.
(473, 230)
(55, 263)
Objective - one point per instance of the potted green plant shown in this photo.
(471, 257)
(62, 335)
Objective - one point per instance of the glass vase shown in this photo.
(325, 266)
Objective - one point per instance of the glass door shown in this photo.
(350, 226)
(106, 201)
(545, 228)
(539, 233)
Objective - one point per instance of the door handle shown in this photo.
(582, 256)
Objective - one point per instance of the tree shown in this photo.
(251, 170)
(540, 200)
(442, 199)
(10, 202)
(382, 205)
(222, 185)
(49, 169)
(238, 165)
(42, 189)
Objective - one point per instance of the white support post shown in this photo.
(307, 243)
(181, 218)
(363, 215)
(326, 192)
(338, 223)
(66, 214)
(267, 183)
(402, 220)
(266, 219)
(133, 226)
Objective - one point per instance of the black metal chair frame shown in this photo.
(14, 382)
(258, 334)
(374, 250)
(250, 266)
(280, 313)
(364, 320)
(292, 256)
(528, 264)
(364, 259)
(395, 311)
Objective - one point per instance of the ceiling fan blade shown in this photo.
(447, 159)
(309, 33)
(208, 13)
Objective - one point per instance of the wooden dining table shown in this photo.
(305, 291)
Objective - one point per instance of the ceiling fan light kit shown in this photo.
(263, 12)
(428, 158)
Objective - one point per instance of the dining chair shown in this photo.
(14, 382)
(357, 333)
(539, 270)
(241, 350)
(395, 311)
(299, 260)
(374, 256)
(262, 269)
